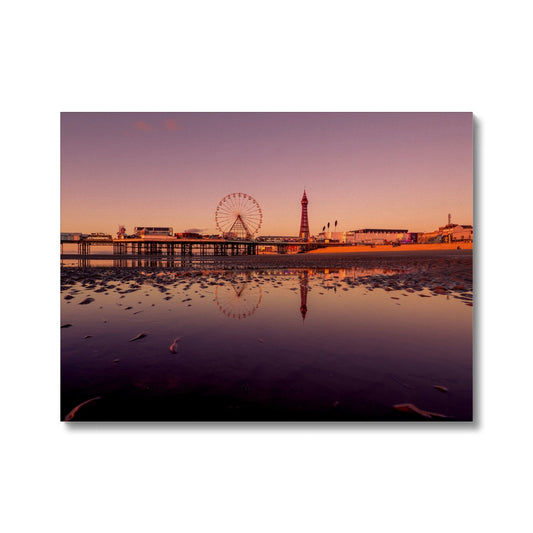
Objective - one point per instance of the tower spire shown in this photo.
(304, 222)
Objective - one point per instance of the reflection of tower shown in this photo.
(304, 283)
(304, 224)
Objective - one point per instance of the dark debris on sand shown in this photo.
(439, 275)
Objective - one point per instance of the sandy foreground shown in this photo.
(416, 267)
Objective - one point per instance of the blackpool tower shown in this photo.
(304, 224)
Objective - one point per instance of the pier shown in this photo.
(175, 247)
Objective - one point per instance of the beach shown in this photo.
(377, 335)
(396, 249)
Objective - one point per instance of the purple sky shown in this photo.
(366, 170)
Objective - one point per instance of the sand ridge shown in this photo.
(344, 249)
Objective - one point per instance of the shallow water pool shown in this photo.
(379, 343)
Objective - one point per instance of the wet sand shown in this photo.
(403, 248)
(439, 276)
(446, 271)
(317, 258)
(121, 323)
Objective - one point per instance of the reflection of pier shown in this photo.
(174, 247)
(84, 261)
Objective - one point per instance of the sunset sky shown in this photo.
(366, 170)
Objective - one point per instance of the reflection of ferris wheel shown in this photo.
(238, 215)
(238, 299)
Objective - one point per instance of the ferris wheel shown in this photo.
(239, 298)
(238, 215)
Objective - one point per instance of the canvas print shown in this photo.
(266, 267)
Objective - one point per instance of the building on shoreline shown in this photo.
(449, 233)
(369, 236)
(379, 236)
(153, 231)
(71, 236)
